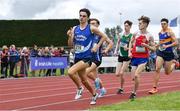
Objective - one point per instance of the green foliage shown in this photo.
(40, 32)
(112, 33)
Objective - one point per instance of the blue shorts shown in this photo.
(166, 55)
(138, 61)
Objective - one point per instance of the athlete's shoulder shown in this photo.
(93, 28)
(149, 34)
(75, 27)
(137, 33)
(131, 35)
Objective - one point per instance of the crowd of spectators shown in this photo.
(15, 61)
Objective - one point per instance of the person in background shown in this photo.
(13, 59)
(24, 61)
(34, 53)
(4, 61)
(62, 53)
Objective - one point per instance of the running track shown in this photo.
(57, 93)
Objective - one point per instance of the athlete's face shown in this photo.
(127, 27)
(83, 17)
(164, 25)
(142, 25)
(94, 23)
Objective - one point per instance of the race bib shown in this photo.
(140, 49)
(122, 44)
(161, 48)
(79, 48)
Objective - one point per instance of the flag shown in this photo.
(174, 22)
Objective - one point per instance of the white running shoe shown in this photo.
(94, 98)
(79, 93)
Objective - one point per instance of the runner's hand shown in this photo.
(69, 32)
(130, 55)
(95, 48)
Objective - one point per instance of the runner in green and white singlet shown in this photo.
(124, 41)
(122, 52)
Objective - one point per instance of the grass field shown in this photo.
(165, 101)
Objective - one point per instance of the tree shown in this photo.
(112, 33)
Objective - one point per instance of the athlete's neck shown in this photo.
(143, 31)
(126, 32)
(83, 25)
(165, 29)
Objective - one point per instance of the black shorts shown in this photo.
(122, 59)
(98, 63)
(166, 55)
(85, 60)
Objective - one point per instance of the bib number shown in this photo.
(79, 48)
(122, 44)
(140, 49)
(161, 48)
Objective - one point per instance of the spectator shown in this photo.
(62, 53)
(55, 53)
(4, 61)
(34, 53)
(13, 59)
(24, 62)
(47, 53)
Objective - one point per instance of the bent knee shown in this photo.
(89, 75)
(167, 72)
(117, 74)
(158, 70)
(84, 81)
(70, 72)
(136, 76)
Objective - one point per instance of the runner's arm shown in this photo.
(103, 36)
(70, 34)
(110, 45)
(174, 40)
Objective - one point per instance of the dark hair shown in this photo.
(165, 20)
(85, 10)
(128, 22)
(145, 19)
(98, 22)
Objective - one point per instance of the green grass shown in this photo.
(165, 101)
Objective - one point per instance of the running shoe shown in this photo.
(102, 92)
(79, 93)
(153, 91)
(94, 98)
(120, 91)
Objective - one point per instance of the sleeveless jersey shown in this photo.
(124, 41)
(165, 39)
(83, 40)
(139, 51)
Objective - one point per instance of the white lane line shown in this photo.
(58, 103)
(38, 97)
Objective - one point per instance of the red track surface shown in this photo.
(57, 93)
